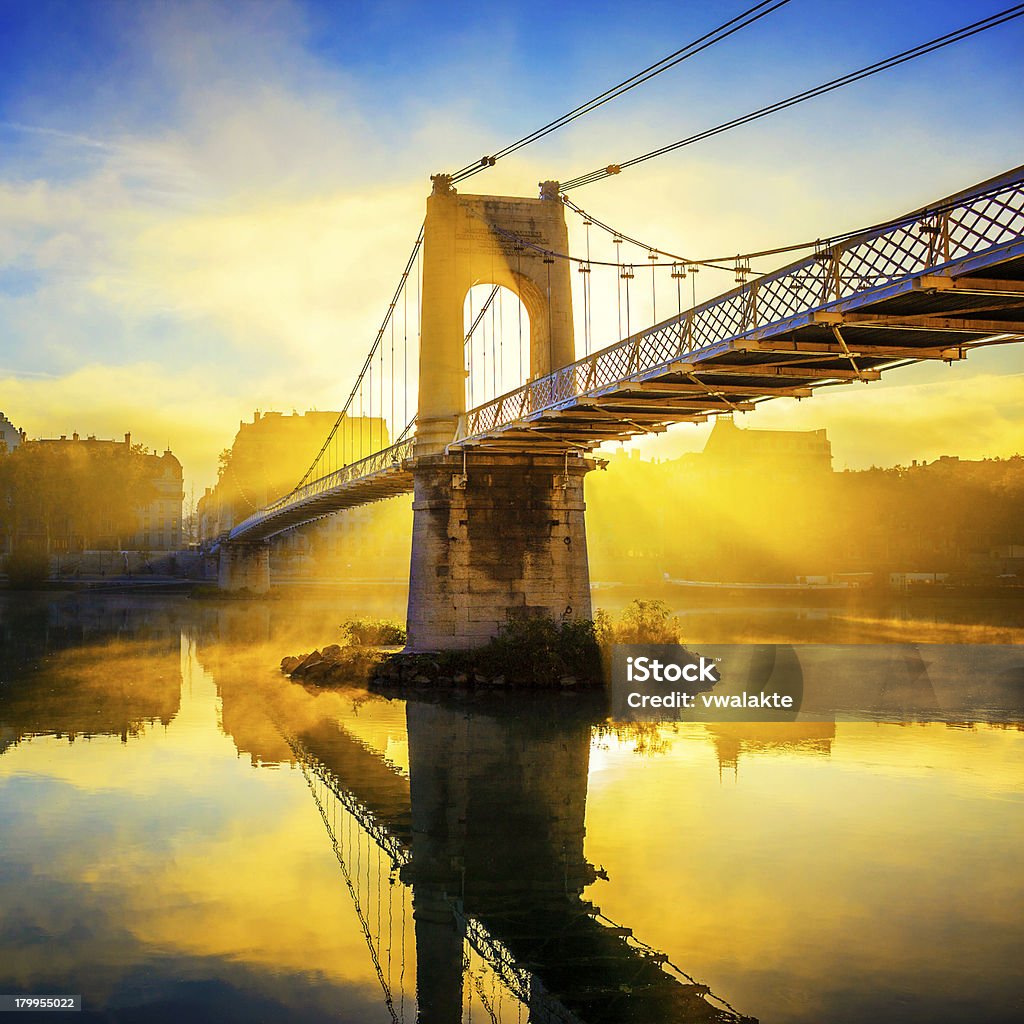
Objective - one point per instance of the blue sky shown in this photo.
(203, 207)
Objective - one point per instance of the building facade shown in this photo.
(733, 450)
(10, 435)
(68, 495)
(268, 457)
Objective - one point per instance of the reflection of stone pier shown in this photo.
(497, 823)
(489, 829)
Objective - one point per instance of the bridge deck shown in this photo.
(932, 285)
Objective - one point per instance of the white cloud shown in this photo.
(225, 226)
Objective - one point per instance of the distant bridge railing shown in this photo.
(385, 459)
(969, 224)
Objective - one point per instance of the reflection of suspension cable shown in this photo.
(389, 1002)
(401, 976)
(479, 985)
(662, 958)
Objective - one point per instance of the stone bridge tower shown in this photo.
(498, 532)
(471, 240)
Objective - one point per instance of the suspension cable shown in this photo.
(368, 362)
(691, 49)
(836, 83)
(714, 262)
(814, 243)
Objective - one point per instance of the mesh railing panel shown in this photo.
(872, 261)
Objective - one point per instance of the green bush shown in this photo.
(646, 622)
(369, 632)
(539, 651)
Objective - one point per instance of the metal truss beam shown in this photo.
(861, 349)
(654, 387)
(921, 323)
(805, 372)
(630, 402)
(969, 285)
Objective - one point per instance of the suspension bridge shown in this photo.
(494, 440)
(498, 485)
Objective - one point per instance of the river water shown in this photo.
(186, 835)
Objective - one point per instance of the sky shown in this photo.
(204, 207)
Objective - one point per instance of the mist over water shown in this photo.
(189, 835)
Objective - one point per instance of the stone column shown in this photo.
(244, 566)
(495, 536)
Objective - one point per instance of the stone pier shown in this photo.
(244, 566)
(495, 536)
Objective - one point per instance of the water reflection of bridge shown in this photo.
(487, 831)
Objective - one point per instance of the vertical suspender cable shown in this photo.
(391, 429)
(405, 355)
(472, 403)
(519, 278)
(587, 298)
(617, 242)
(383, 420)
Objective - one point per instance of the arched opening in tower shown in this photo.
(497, 343)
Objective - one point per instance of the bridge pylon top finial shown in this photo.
(550, 190)
(442, 185)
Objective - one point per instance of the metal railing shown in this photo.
(386, 459)
(967, 225)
